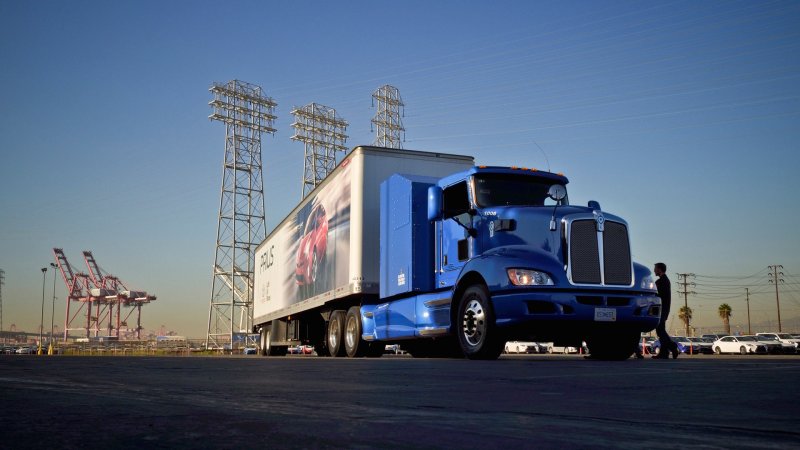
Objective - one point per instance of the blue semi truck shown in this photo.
(446, 258)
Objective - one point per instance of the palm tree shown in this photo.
(725, 312)
(685, 314)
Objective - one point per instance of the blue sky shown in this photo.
(680, 116)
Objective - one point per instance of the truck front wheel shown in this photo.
(335, 333)
(477, 333)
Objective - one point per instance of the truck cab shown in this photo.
(513, 260)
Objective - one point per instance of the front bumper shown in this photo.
(566, 311)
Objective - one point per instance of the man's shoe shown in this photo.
(675, 353)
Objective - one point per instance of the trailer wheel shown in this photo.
(354, 346)
(478, 335)
(264, 348)
(335, 333)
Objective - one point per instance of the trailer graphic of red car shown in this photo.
(311, 249)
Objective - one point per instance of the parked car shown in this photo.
(700, 345)
(521, 347)
(739, 344)
(300, 350)
(250, 351)
(393, 349)
(712, 337)
(560, 349)
(775, 345)
(785, 338)
(646, 345)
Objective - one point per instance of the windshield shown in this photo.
(747, 339)
(494, 189)
(785, 336)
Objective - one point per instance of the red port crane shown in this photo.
(100, 294)
(124, 296)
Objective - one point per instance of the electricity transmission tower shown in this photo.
(246, 113)
(322, 133)
(684, 284)
(387, 120)
(775, 278)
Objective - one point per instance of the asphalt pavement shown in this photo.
(536, 401)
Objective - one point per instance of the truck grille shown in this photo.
(584, 252)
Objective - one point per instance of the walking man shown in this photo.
(665, 292)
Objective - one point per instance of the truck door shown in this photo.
(452, 237)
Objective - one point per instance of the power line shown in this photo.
(776, 279)
(685, 283)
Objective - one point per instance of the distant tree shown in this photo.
(725, 312)
(685, 314)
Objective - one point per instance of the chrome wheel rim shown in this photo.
(350, 332)
(333, 334)
(473, 323)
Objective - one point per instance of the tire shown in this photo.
(267, 349)
(265, 343)
(742, 350)
(717, 350)
(335, 334)
(475, 327)
(354, 346)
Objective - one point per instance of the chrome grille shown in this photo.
(616, 254)
(584, 255)
(585, 262)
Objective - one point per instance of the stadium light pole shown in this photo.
(41, 322)
(53, 312)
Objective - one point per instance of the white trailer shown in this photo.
(323, 258)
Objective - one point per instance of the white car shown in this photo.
(521, 347)
(774, 345)
(738, 344)
(787, 339)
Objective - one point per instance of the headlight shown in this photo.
(648, 283)
(526, 277)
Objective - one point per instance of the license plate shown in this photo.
(605, 315)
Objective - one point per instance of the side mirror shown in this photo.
(557, 192)
(434, 203)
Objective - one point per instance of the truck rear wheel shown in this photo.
(335, 334)
(477, 333)
(354, 346)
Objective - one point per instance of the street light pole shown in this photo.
(41, 323)
(53, 313)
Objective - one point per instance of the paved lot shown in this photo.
(398, 402)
